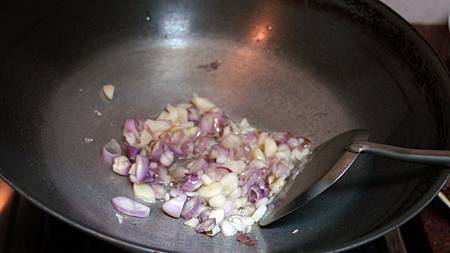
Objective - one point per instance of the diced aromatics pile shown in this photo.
(217, 175)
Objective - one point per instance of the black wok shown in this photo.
(316, 68)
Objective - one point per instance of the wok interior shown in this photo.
(291, 66)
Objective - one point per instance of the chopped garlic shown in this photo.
(270, 147)
(217, 214)
(182, 114)
(229, 182)
(209, 191)
(261, 138)
(108, 90)
(144, 192)
(217, 201)
(258, 154)
(88, 140)
(157, 126)
(206, 180)
(235, 194)
(202, 104)
(98, 113)
(145, 138)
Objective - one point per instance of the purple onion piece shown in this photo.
(142, 170)
(159, 190)
(190, 208)
(205, 226)
(217, 152)
(200, 144)
(177, 151)
(111, 150)
(130, 207)
(175, 192)
(257, 192)
(254, 194)
(133, 151)
(130, 127)
(198, 165)
(250, 181)
(281, 170)
(187, 147)
(191, 183)
(206, 123)
(280, 137)
(173, 207)
(229, 207)
(204, 215)
(200, 210)
(121, 165)
(293, 142)
(176, 137)
(156, 154)
(192, 114)
(140, 123)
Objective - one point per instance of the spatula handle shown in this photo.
(427, 156)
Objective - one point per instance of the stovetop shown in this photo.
(24, 228)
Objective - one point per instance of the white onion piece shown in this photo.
(121, 165)
(228, 229)
(167, 158)
(111, 150)
(190, 208)
(130, 207)
(173, 207)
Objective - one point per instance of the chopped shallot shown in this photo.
(218, 175)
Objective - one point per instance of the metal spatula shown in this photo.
(331, 160)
